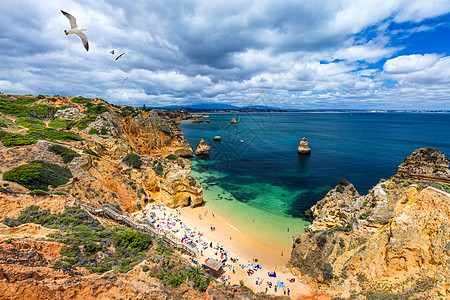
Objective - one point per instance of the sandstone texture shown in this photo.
(202, 149)
(303, 147)
(233, 121)
(102, 176)
(392, 242)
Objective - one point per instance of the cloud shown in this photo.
(410, 63)
(302, 53)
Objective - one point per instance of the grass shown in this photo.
(38, 175)
(66, 154)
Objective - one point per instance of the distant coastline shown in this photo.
(255, 110)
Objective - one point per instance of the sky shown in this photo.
(304, 54)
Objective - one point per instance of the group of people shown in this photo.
(171, 224)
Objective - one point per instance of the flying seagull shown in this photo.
(119, 56)
(124, 80)
(112, 51)
(76, 30)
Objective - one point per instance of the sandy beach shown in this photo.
(245, 258)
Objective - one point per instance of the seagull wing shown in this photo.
(119, 56)
(72, 20)
(84, 39)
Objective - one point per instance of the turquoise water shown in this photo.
(263, 177)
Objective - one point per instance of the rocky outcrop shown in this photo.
(202, 149)
(233, 121)
(425, 164)
(303, 147)
(337, 208)
(392, 242)
(154, 135)
(217, 138)
(70, 113)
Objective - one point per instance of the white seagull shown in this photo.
(76, 30)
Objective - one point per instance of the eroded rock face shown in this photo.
(426, 163)
(303, 147)
(70, 113)
(398, 233)
(233, 121)
(155, 135)
(202, 149)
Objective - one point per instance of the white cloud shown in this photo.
(410, 63)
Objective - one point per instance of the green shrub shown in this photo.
(364, 216)
(93, 131)
(130, 239)
(3, 124)
(84, 123)
(158, 168)
(81, 100)
(327, 271)
(133, 160)
(53, 134)
(171, 156)
(15, 139)
(97, 109)
(41, 97)
(341, 243)
(59, 123)
(66, 154)
(103, 131)
(40, 193)
(90, 152)
(42, 111)
(30, 122)
(38, 175)
(145, 268)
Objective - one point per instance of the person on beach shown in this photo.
(288, 291)
(281, 253)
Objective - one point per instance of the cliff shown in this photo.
(392, 242)
(96, 138)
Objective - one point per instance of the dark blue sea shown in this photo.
(257, 164)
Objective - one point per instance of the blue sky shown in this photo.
(339, 54)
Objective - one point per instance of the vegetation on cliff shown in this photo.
(66, 154)
(101, 248)
(38, 175)
(133, 160)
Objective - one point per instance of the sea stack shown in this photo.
(233, 121)
(202, 149)
(217, 138)
(303, 147)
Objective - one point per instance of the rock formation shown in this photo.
(392, 242)
(426, 164)
(101, 175)
(202, 149)
(233, 121)
(71, 113)
(217, 138)
(303, 147)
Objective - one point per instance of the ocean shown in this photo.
(257, 181)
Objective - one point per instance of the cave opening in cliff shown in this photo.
(189, 201)
(145, 201)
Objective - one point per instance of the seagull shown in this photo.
(124, 80)
(76, 30)
(112, 51)
(119, 56)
